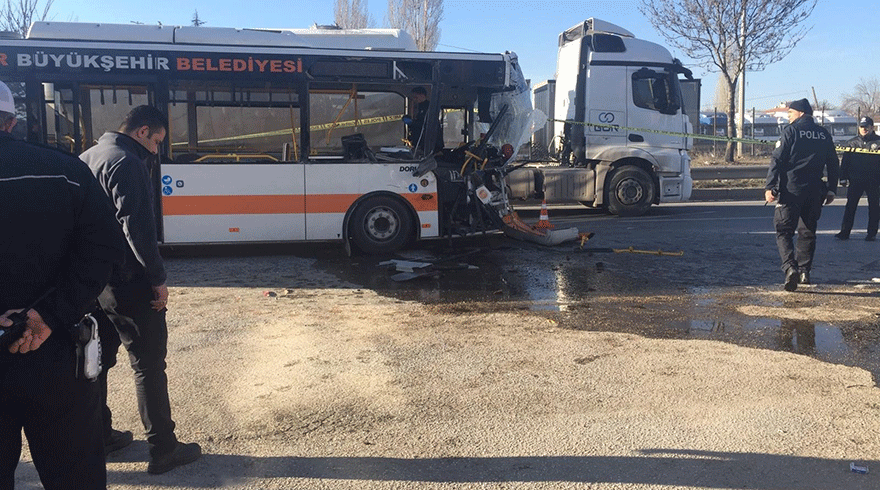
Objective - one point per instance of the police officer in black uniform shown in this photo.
(862, 170)
(803, 153)
(60, 243)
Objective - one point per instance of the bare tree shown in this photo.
(18, 15)
(864, 100)
(196, 20)
(731, 36)
(352, 14)
(421, 18)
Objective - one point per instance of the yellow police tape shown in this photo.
(394, 118)
(703, 136)
(315, 127)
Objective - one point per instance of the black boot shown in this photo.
(791, 279)
(805, 277)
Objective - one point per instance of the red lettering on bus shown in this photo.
(225, 65)
(3, 59)
(209, 65)
(183, 64)
(261, 64)
(289, 66)
(198, 64)
(275, 66)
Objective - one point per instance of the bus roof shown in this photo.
(366, 39)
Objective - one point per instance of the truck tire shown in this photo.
(630, 191)
(380, 225)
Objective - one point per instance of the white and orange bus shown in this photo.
(285, 135)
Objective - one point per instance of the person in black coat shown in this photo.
(804, 152)
(60, 244)
(862, 170)
(136, 298)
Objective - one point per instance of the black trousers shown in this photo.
(60, 415)
(144, 334)
(801, 214)
(853, 194)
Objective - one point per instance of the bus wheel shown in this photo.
(380, 225)
(631, 191)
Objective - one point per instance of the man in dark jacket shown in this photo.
(804, 152)
(59, 246)
(862, 170)
(136, 298)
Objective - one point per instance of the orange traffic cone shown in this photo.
(544, 220)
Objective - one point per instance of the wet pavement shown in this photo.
(725, 285)
(658, 296)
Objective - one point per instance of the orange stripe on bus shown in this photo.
(276, 204)
(209, 205)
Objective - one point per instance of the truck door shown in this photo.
(606, 105)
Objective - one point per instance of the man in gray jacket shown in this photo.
(136, 298)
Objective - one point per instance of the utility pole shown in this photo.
(741, 85)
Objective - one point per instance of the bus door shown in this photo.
(357, 147)
(233, 172)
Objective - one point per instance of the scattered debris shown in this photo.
(514, 227)
(629, 250)
(408, 269)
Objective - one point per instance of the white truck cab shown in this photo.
(620, 127)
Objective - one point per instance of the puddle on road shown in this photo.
(566, 286)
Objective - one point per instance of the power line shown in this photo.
(458, 47)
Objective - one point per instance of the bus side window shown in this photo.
(354, 124)
(211, 124)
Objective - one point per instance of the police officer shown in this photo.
(60, 244)
(863, 172)
(794, 181)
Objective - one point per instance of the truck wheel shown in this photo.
(380, 225)
(630, 191)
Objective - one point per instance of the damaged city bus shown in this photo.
(286, 135)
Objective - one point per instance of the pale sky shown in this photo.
(839, 51)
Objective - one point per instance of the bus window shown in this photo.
(340, 113)
(61, 124)
(106, 106)
(245, 124)
(455, 132)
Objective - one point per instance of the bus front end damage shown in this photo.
(472, 179)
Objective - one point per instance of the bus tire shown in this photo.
(380, 225)
(630, 191)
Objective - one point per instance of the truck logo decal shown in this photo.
(604, 122)
(606, 117)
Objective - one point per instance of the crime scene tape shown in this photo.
(702, 136)
(315, 127)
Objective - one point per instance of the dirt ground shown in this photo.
(291, 378)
